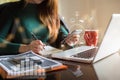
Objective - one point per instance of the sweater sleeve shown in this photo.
(6, 21)
(5, 45)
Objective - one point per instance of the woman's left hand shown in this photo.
(72, 40)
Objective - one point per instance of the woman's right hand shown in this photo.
(36, 46)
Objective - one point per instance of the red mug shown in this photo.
(91, 37)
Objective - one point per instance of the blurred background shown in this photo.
(91, 13)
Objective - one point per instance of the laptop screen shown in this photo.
(111, 40)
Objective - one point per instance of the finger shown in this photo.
(36, 50)
(40, 42)
(75, 36)
(39, 48)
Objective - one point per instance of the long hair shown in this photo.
(48, 14)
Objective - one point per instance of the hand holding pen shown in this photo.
(36, 45)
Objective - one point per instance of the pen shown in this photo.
(34, 36)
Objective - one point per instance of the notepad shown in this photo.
(27, 62)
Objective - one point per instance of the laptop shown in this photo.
(109, 44)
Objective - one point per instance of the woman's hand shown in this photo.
(36, 46)
(72, 40)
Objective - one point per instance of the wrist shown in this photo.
(24, 48)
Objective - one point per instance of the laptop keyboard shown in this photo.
(86, 54)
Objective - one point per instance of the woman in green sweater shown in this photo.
(19, 20)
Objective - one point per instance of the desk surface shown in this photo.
(106, 69)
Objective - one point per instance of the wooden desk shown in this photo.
(4, 74)
(106, 69)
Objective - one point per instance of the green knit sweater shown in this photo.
(20, 23)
